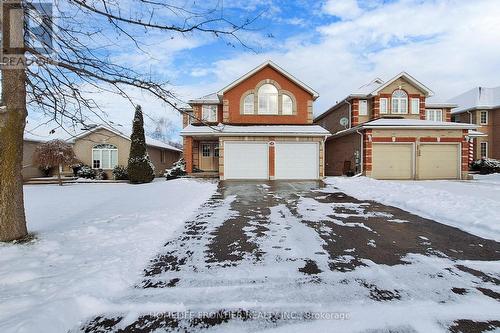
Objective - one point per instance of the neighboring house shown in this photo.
(388, 130)
(481, 106)
(99, 147)
(257, 127)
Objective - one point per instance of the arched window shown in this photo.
(248, 104)
(286, 104)
(268, 99)
(104, 156)
(399, 102)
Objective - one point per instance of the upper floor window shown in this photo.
(268, 99)
(415, 105)
(248, 104)
(399, 102)
(209, 113)
(434, 114)
(363, 107)
(104, 156)
(483, 118)
(383, 106)
(287, 105)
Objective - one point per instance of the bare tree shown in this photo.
(61, 86)
(55, 154)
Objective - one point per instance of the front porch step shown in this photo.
(203, 175)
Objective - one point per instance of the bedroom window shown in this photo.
(287, 105)
(268, 99)
(434, 114)
(483, 118)
(104, 156)
(484, 149)
(209, 113)
(399, 102)
(383, 106)
(363, 107)
(248, 104)
(415, 105)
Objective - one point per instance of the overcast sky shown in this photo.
(334, 46)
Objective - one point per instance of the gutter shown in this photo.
(361, 155)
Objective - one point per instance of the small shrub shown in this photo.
(45, 170)
(486, 166)
(120, 173)
(86, 172)
(101, 175)
(177, 170)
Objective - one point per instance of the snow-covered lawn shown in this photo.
(92, 243)
(473, 206)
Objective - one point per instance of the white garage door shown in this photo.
(297, 160)
(246, 160)
(438, 161)
(392, 161)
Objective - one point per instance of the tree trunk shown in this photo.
(59, 179)
(12, 122)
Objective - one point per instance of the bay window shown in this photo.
(104, 156)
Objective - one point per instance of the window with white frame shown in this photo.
(286, 104)
(104, 156)
(415, 105)
(399, 102)
(268, 99)
(484, 149)
(209, 113)
(483, 118)
(434, 114)
(248, 103)
(363, 107)
(383, 105)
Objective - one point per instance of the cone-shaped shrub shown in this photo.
(140, 169)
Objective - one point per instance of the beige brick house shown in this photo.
(257, 127)
(481, 106)
(388, 130)
(99, 147)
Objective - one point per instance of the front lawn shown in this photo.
(473, 206)
(92, 242)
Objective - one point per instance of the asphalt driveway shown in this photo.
(256, 252)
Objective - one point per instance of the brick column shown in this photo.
(188, 153)
(272, 158)
(376, 108)
(367, 153)
(422, 108)
(465, 152)
(355, 112)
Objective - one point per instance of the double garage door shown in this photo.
(250, 160)
(404, 161)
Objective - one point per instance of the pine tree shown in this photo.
(140, 169)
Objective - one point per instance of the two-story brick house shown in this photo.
(388, 130)
(258, 127)
(481, 106)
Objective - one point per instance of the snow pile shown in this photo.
(472, 206)
(93, 241)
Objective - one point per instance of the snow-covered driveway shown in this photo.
(297, 257)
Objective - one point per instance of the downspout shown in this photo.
(470, 117)
(361, 155)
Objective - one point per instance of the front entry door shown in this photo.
(209, 156)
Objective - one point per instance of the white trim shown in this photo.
(480, 117)
(100, 150)
(276, 67)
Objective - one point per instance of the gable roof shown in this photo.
(477, 98)
(277, 68)
(207, 99)
(408, 77)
